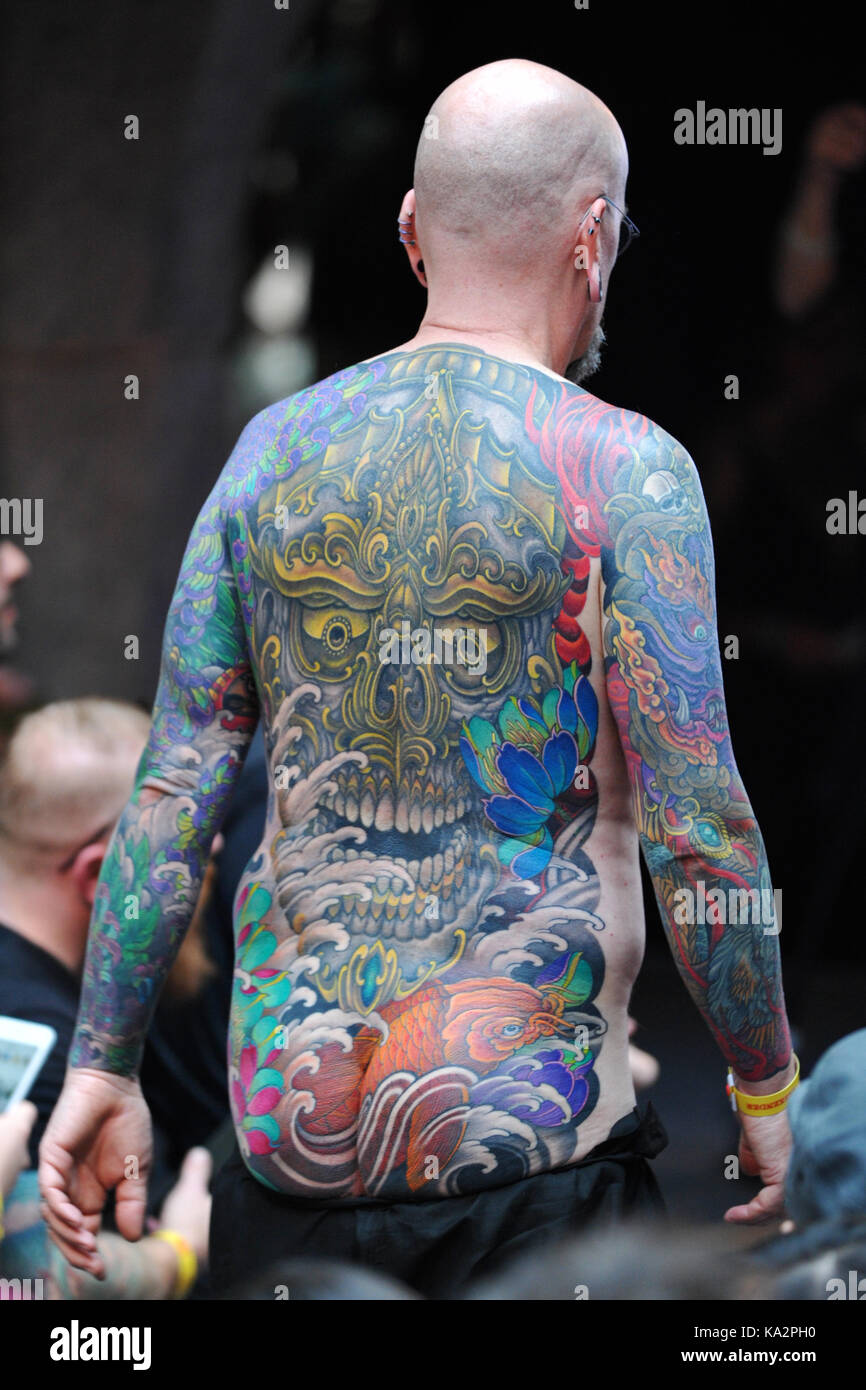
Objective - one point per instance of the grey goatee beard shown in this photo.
(583, 367)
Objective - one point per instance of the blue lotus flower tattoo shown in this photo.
(530, 761)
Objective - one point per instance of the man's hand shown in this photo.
(99, 1138)
(765, 1148)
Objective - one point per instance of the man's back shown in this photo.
(474, 606)
(432, 966)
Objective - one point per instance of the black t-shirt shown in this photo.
(36, 987)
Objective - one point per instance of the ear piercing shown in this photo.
(580, 264)
(406, 229)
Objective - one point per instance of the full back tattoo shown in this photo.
(391, 571)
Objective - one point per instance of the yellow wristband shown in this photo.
(187, 1264)
(761, 1105)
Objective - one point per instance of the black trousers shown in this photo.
(437, 1246)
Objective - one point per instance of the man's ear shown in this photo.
(86, 868)
(587, 248)
(409, 236)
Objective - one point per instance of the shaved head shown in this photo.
(507, 153)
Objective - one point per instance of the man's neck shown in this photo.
(510, 345)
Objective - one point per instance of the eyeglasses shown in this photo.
(628, 230)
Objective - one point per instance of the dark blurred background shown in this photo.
(262, 127)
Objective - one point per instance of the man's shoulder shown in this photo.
(296, 427)
(618, 427)
(612, 463)
(318, 397)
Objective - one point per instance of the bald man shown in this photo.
(473, 606)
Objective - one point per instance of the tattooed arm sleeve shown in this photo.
(204, 717)
(698, 834)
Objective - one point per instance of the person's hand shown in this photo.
(15, 1127)
(837, 140)
(99, 1138)
(765, 1149)
(186, 1209)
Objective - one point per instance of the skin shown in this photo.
(14, 567)
(807, 260)
(15, 688)
(320, 528)
(545, 319)
(48, 898)
(52, 909)
(147, 1270)
(15, 1127)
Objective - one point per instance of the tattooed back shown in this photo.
(436, 940)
